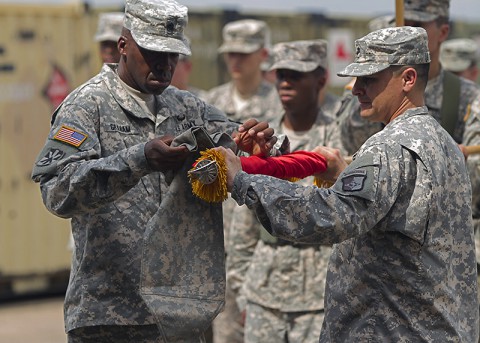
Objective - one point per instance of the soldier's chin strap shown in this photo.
(209, 173)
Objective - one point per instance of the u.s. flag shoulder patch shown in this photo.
(70, 136)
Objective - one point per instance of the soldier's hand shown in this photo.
(162, 157)
(255, 137)
(463, 150)
(335, 163)
(233, 163)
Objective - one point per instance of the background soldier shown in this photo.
(448, 97)
(247, 95)
(181, 77)
(281, 284)
(460, 56)
(109, 29)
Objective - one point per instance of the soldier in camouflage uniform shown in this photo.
(109, 29)
(460, 56)
(181, 77)
(247, 95)
(433, 16)
(354, 129)
(472, 137)
(403, 264)
(148, 262)
(281, 284)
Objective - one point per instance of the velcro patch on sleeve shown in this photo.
(70, 136)
(354, 181)
(53, 155)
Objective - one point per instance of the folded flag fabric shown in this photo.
(209, 174)
(298, 164)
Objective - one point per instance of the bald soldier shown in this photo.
(403, 264)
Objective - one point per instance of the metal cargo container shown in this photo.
(45, 51)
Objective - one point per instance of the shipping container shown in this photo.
(45, 51)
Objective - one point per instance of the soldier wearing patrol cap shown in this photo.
(283, 299)
(403, 262)
(181, 77)
(448, 97)
(452, 100)
(460, 56)
(381, 22)
(244, 47)
(246, 95)
(148, 260)
(109, 29)
(354, 129)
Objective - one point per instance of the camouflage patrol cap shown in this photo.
(386, 47)
(426, 10)
(458, 54)
(302, 55)
(245, 36)
(381, 22)
(109, 27)
(157, 25)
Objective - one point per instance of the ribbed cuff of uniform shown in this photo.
(241, 183)
(137, 161)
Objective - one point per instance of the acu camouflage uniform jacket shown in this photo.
(265, 105)
(146, 250)
(472, 137)
(404, 267)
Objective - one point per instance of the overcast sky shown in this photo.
(459, 9)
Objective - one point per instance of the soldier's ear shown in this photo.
(409, 78)
(444, 32)
(121, 44)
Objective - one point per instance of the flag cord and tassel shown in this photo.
(208, 175)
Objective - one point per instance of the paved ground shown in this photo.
(34, 320)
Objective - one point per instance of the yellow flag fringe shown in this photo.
(217, 190)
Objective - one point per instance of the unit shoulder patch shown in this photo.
(51, 156)
(354, 181)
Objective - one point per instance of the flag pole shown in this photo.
(399, 9)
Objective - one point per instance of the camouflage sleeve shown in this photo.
(244, 236)
(74, 176)
(363, 194)
(472, 137)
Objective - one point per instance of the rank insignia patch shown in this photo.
(51, 156)
(70, 136)
(354, 181)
